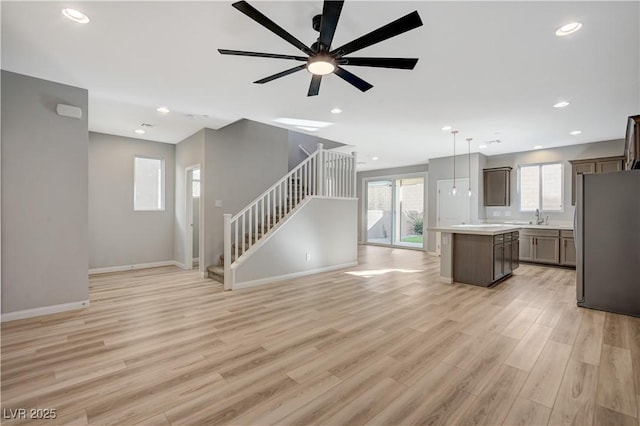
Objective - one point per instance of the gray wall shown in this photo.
(563, 154)
(324, 228)
(189, 152)
(118, 235)
(44, 195)
(309, 142)
(369, 174)
(442, 168)
(242, 160)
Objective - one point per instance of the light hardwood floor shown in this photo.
(383, 343)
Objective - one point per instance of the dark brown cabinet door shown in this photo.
(508, 261)
(515, 254)
(498, 261)
(497, 186)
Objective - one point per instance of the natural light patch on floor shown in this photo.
(369, 274)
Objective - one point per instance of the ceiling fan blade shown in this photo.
(281, 74)
(314, 87)
(330, 16)
(261, 55)
(257, 16)
(399, 26)
(352, 79)
(399, 63)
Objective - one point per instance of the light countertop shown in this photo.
(525, 225)
(480, 229)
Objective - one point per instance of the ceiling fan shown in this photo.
(321, 59)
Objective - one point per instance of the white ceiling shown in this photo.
(492, 70)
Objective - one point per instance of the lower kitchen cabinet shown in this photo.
(567, 249)
(547, 246)
(546, 250)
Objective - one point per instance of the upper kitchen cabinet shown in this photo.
(593, 165)
(497, 186)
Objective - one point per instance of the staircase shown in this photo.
(323, 174)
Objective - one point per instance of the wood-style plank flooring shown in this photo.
(383, 343)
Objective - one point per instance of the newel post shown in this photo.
(320, 171)
(228, 284)
(355, 174)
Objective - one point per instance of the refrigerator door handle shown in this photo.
(578, 232)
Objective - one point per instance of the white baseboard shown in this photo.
(45, 310)
(135, 266)
(262, 281)
(179, 264)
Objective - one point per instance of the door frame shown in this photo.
(188, 234)
(365, 201)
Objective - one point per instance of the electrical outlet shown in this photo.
(496, 213)
(308, 256)
(217, 203)
(507, 213)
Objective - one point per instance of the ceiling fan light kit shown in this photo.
(321, 59)
(321, 65)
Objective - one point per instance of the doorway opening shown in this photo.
(395, 211)
(193, 237)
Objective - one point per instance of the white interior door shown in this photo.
(451, 209)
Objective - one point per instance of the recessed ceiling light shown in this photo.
(336, 110)
(482, 146)
(163, 110)
(537, 147)
(140, 131)
(76, 16)
(568, 29)
(446, 128)
(374, 158)
(575, 132)
(562, 104)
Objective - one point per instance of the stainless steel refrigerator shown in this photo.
(607, 236)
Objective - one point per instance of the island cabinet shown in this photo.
(484, 260)
(593, 165)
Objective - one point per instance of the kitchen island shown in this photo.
(480, 255)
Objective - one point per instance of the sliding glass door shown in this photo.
(395, 211)
(379, 211)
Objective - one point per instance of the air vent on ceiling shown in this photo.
(146, 125)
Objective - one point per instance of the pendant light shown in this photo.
(469, 161)
(453, 190)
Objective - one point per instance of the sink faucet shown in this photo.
(539, 218)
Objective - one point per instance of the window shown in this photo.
(195, 183)
(148, 184)
(540, 187)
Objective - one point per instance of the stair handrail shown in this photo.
(275, 185)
